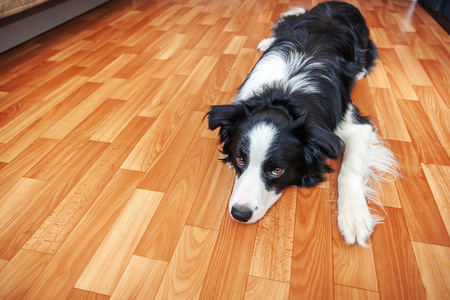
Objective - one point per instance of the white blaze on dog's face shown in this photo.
(251, 199)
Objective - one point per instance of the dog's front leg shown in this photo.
(365, 160)
(354, 218)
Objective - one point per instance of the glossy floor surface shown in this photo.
(110, 184)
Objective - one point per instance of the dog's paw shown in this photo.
(361, 74)
(356, 223)
(295, 11)
(265, 44)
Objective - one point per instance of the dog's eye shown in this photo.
(240, 161)
(277, 172)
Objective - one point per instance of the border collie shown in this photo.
(294, 111)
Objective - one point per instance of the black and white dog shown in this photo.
(294, 111)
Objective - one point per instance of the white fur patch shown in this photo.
(269, 69)
(303, 82)
(365, 162)
(278, 68)
(249, 189)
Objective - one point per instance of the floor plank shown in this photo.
(187, 268)
(414, 71)
(18, 197)
(52, 162)
(20, 273)
(389, 115)
(113, 254)
(397, 270)
(76, 294)
(141, 279)
(64, 126)
(261, 288)
(312, 235)
(161, 237)
(277, 228)
(211, 202)
(230, 263)
(344, 292)
(85, 239)
(425, 141)
(58, 226)
(434, 266)
(399, 82)
(437, 179)
(41, 125)
(15, 234)
(3, 264)
(437, 113)
(163, 169)
(418, 213)
(14, 127)
(11, 173)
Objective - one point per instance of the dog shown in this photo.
(294, 111)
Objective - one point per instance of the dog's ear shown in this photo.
(226, 117)
(309, 180)
(319, 143)
(221, 115)
(317, 138)
(327, 141)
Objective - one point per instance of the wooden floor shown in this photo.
(110, 184)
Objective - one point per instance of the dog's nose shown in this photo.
(241, 213)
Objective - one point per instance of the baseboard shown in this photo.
(436, 16)
(16, 29)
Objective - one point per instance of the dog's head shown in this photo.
(271, 147)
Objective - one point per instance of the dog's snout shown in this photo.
(241, 213)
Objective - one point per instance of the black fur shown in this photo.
(333, 33)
